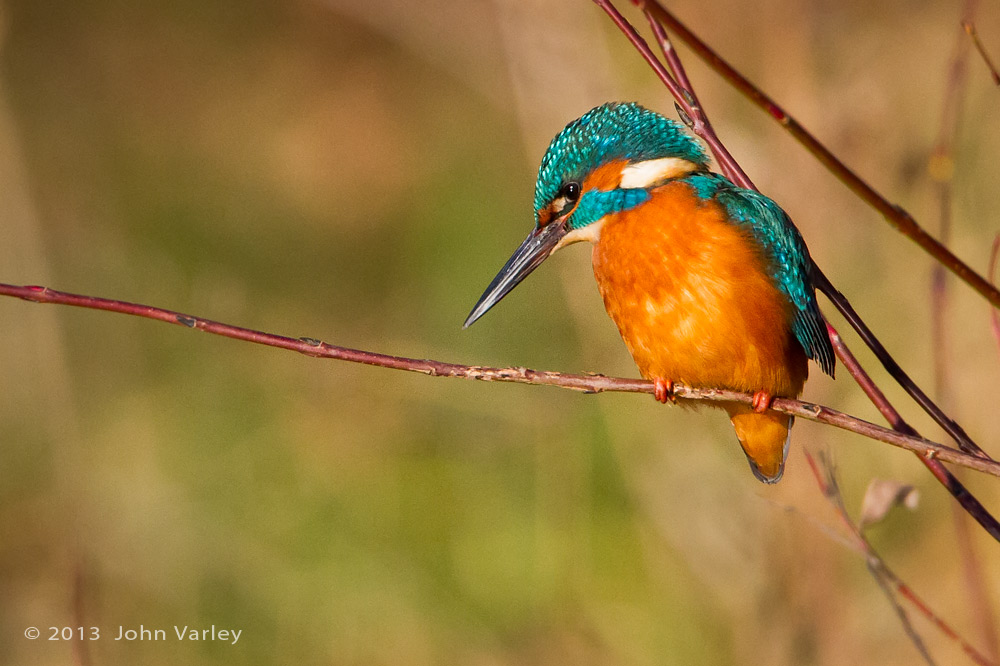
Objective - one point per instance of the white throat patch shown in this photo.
(591, 232)
(644, 174)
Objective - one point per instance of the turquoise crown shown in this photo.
(617, 130)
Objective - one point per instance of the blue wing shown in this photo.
(791, 264)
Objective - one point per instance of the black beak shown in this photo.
(526, 258)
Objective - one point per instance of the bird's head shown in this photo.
(602, 163)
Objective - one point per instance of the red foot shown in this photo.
(663, 391)
(762, 401)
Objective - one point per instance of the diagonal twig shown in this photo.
(893, 368)
(700, 124)
(888, 581)
(970, 29)
(893, 213)
(944, 476)
(992, 271)
(941, 170)
(590, 383)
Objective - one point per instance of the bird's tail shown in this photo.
(764, 438)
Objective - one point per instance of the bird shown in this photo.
(708, 283)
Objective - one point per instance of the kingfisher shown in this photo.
(708, 283)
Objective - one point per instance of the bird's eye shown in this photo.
(571, 191)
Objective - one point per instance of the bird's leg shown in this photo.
(663, 391)
(762, 401)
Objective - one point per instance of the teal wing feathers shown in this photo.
(790, 261)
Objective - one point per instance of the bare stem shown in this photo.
(944, 476)
(888, 581)
(893, 368)
(970, 28)
(992, 271)
(893, 213)
(926, 449)
(941, 169)
(701, 125)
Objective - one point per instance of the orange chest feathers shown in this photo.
(691, 297)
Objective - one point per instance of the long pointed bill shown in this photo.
(526, 258)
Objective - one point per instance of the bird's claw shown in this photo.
(762, 401)
(663, 391)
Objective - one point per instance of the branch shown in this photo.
(589, 383)
(992, 271)
(970, 28)
(700, 123)
(893, 368)
(941, 170)
(893, 213)
(887, 580)
(680, 88)
(944, 476)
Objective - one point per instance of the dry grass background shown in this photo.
(357, 172)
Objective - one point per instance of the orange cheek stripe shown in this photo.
(605, 177)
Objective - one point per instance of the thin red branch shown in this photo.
(926, 449)
(647, 53)
(992, 272)
(874, 393)
(893, 213)
(893, 368)
(970, 28)
(941, 169)
(944, 476)
(700, 124)
(887, 579)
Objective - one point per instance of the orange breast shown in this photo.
(692, 300)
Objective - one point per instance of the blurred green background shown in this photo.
(357, 172)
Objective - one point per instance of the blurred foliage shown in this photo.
(357, 172)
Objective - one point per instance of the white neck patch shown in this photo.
(591, 233)
(643, 174)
